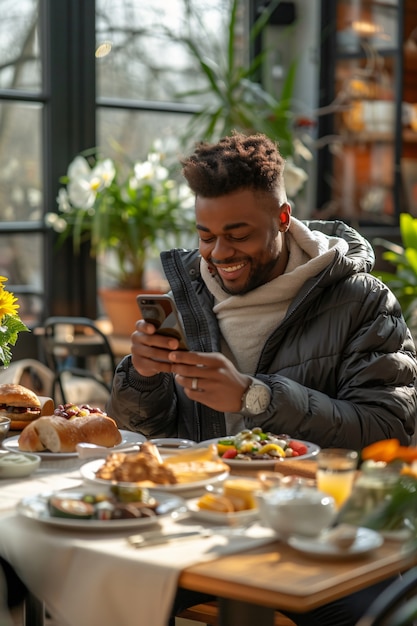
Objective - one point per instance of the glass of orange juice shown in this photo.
(336, 470)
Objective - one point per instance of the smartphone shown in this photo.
(161, 311)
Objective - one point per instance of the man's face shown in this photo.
(240, 238)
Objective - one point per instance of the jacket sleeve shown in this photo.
(142, 404)
(359, 385)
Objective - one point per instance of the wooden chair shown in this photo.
(207, 614)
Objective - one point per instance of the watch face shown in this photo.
(257, 399)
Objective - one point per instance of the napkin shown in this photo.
(99, 579)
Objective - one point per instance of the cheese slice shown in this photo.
(243, 490)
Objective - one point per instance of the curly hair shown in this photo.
(236, 162)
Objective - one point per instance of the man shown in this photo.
(286, 327)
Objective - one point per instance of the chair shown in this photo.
(396, 606)
(81, 358)
(207, 613)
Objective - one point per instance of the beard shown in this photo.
(260, 274)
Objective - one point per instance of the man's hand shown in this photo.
(210, 378)
(150, 351)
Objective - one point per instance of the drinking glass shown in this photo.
(336, 470)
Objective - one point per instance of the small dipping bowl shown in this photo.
(18, 464)
(4, 427)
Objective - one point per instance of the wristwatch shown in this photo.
(256, 398)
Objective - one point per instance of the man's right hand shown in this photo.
(150, 350)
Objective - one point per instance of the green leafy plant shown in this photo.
(234, 97)
(10, 323)
(402, 281)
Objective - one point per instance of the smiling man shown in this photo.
(287, 329)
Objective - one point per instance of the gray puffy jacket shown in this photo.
(341, 365)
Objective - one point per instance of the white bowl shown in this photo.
(18, 464)
(4, 427)
(302, 511)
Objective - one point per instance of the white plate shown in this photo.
(36, 508)
(366, 540)
(12, 444)
(89, 470)
(240, 518)
(312, 450)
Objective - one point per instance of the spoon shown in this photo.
(342, 536)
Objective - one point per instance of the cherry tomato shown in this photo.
(298, 447)
(230, 454)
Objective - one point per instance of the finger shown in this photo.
(155, 341)
(192, 384)
(196, 358)
(149, 367)
(192, 371)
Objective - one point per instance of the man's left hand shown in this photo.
(210, 378)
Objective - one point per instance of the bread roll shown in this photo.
(58, 434)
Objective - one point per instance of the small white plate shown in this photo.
(239, 518)
(312, 451)
(168, 445)
(12, 444)
(36, 508)
(12, 465)
(89, 470)
(366, 540)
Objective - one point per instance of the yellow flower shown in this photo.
(10, 323)
(8, 302)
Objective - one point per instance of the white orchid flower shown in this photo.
(105, 172)
(294, 178)
(186, 196)
(151, 169)
(64, 204)
(54, 221)
(82, 192)
(85, 182)
(143, 171)
(79, 167)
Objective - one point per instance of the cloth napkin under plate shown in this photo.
(98, 578)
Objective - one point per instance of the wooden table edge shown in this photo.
(198, 578)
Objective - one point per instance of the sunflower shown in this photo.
(10, 323)
(8, 302)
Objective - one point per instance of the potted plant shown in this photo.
(234, 98)
(403, 256)
(125, 213)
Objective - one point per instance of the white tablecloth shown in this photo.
(99, 579)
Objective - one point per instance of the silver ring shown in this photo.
(194, 384)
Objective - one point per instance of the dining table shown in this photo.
(97, 577)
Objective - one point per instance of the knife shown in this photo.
(156, 538)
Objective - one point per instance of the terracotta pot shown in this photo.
(121, 308)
